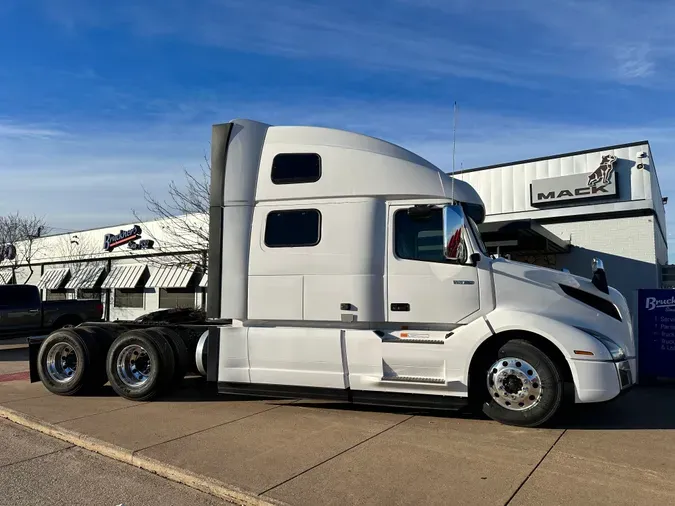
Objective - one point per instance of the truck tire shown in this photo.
(180, 351)
(140, 365)
(103, 338)
(103, 335)
(67, 321)
(69, 363)
(525, 387)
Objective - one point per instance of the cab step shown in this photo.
(414, 379)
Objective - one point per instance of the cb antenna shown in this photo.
(454, 144)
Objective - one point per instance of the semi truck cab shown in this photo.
(345, 267)
(353, 268)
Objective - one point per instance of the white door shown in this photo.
(422, 286)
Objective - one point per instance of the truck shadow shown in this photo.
(14, 355)
(650, 407)
(643, 407)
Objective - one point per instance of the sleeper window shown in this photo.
(419, 238)
(293, 228)
(295, 168)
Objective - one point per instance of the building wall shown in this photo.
(627, 247)
(661, 245)
(506, 189)
(150, 294)
(86, 248)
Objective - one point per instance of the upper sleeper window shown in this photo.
(293, 228)
(294, 168)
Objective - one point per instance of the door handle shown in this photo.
(400, 306)
(33, 310)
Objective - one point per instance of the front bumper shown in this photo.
(602, 381)
(626, 373)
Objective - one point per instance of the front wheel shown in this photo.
(525, 387)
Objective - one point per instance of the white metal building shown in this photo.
(133, 269)
(561, 211)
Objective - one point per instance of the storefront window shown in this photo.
(84, 293)
(176, 298)
(60, 294)
(129, 297)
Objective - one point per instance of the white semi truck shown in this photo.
(345, 267)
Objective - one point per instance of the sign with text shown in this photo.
(656, 333)
(599, 183)
(112, 241)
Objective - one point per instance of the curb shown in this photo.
(203, 484)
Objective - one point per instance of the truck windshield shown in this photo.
(476, 234)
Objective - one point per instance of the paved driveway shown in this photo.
(305, 452)
(13, 359)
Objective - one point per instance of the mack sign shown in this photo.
(599, 183)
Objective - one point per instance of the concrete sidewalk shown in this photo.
(311, 453)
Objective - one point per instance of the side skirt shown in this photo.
(386, 399)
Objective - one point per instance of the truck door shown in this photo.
(422, 286)
(20, 309)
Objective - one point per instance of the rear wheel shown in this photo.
(180, 351)
(524, 386)
(66, 322)
(69, 363)
(140, 365)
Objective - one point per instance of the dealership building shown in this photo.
(564, 210)
(557, 211)
(132, 268)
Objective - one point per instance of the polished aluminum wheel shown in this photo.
(133, 366)
(514, 384)
(61, 363)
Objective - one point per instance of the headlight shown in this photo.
(614, 349)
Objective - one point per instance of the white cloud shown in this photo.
(618, 40)
(13, 130)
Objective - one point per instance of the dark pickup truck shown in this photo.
(23, 313)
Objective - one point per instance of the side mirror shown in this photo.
(453, 225)
(599, 278)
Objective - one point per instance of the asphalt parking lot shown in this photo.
(313, 452)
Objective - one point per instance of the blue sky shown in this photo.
(97, 98)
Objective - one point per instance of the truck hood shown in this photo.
(539, 290)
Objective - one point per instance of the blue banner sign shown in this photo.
(656, 333)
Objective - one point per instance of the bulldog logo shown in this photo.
(604, 171)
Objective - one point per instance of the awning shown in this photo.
(53, 279)
(521, 237)
(171, 277)
(204, 283)
(6, 276)
(124, 276)
(86, 278)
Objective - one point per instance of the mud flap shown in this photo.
(34, 344)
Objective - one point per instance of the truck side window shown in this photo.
(293, 228)
(419, 238)
(294, 168)
(19, 296)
